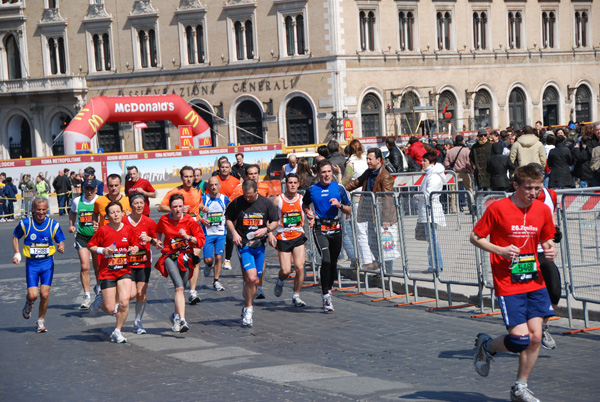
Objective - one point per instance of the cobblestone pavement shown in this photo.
(363, 351)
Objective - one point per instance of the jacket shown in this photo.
(583, 157)
(337, 159)
(559, 160)
(10, 191)
(416, 151)
(61, 185)
(459, 157)
(528, 149)
(395, 158)
(479, 156)
(433, 181)
(499, 166)
(384, 182)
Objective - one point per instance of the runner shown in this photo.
(199, 184)
(328, 198)
(249, 219)
(137, 184)
(114, 242)
(192, 200)
(516, 225)
(43, 237)
(182, 240)
(81, 223)
(290, 237)
(144, 231)
(228, 184)
(114, 194)
(214, 226)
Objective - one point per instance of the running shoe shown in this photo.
(184, 326)
(97, 289)
(520, 393)
(227, 265)
(41, 326)
(194, 298)
(87, 301)
(247, 316)
(327, 304)
(259, 294)
(176, 322)
(217, 286)
(95, 306)
(138, 328)
(278, 288)
(27, 309)
(207, 269)
(117, 337)
(298, 301)
(547, 341)
(482, 358)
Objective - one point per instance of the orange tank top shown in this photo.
(291, 218)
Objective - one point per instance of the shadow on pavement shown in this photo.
(449, 396)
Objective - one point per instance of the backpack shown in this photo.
(412, 165)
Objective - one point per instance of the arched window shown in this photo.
(106, 48)
(517, 111)
(301, 41)
(514, 29)
(483, 109)
(299, 122)
(53, 56)
(447, 111)
(410, 118)
(548, 28)
(367, 30)
(200, 43)
(19, 138)
(153, 49)
(370, 111)
(249, 40)
(290, 35)
(551, 104)
(581, 27)
(444, 30)
(479, 30)
(143, 48)
(13, 57)
(249, 124)
(583, 104)
(239, 41)
(190, 42)
(406, 23)
(57, 125)
(97, 52)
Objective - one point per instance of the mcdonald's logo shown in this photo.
(96, 122)
(82, 147)
(186, 131)
(81, 114)
(193, 118)
(347, 123)
(206, 141)
(187, 143)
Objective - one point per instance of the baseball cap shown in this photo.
(89, 183)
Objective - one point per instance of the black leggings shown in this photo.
(329, 247)
(228, 245)
(551, 277)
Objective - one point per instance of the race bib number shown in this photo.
(291, 219)
(253, 220)
(139, 258)
(177, 243)
(117, 261)
(85, 219)
(330, 226)
(215, 218)
(524, 268)
(39, 251)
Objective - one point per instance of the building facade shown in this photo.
(290, 70)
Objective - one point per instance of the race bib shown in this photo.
(139, 258)
(28, 193)
(291, 219)
(524, 268)
(253, 220)
(215, 218)
(329, 226)
(177, 243)
(85, 219)
(117, 261)
(39, 251)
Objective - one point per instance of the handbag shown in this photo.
(420, 231)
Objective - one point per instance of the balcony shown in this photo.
(44, 85)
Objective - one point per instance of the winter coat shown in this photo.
(499, 167)
(559, 160)
(479, 156)
(384, 182)
(433, 181)
(396, 159)
(10, 191)
(416, 151)
(583, 156)
(528, 149)
(457, 159)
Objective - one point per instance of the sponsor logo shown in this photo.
(95, 122)
(144, 107)
(193, 118)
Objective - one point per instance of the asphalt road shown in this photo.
(362, 351)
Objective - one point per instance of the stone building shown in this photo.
(290, 70)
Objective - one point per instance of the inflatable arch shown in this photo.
(103, 109)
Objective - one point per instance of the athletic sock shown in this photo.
(87, 294)
(139, 311)
(294, 295)
(488, 347)
(521, 382)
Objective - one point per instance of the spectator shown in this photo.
(90, 173)
(458, 160)
(291, 166)
(595, 140)
(305, 174)
(528, 149)
(61, 187)
(2, 201)
(500, 168)
(239, 169)
(416, 150)
(73, 193)
(560, 161)
(480, 152)
(10, 193)
(41, 187)
(27, 192)
(336, 159)
(395, 155)
(582, 155)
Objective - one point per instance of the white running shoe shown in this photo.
(194, 298)
(227, 264)
(184, 327)
(298, 302)
(27, 309)
(217, 286)
(207, 269)
(41, 326)
(278, 288)
(547, 341)
(176, 322)
(327, 304)
(247, 316)
(95, 306)
(85, 304)
(259, 294)
(117, 337)
(520, 393)
(138, 328)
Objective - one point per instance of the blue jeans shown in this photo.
(583, 184)
(348, 239)
(61, 204)
(438, 252)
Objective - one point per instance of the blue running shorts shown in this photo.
(252, 258)
(39, 271)
(214, 244)
(517, 309)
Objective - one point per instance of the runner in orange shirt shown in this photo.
(252, 172)
(191, 205)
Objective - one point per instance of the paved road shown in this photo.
(363, 351)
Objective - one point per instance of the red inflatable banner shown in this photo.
(104, 109)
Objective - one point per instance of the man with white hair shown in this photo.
(291, 166)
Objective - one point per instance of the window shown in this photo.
(406, 20)
(447, 111)
(548, 28)
(367, 30)
(583, 104)
(444, 27)
(479, 30)
(154, 137)
(370, 111)
(13, 56)
(550, 107)
(581, 28)
(109, 138)
(147, 46)
(410, 119)
(194, 38)
(244, 41)
(299, 122)
(482, 108)
(193, 43)
(517, 112)
(144, 35)
(241, 32)
(56, 51)
(249, 124)
(515, 26)
(294, 35)
(101, 52)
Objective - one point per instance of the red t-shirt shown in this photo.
(140, 184)
(145, 226)
(118, 265)
(503, 222)
(172, 241)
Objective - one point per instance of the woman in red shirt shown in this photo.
(183, 239)
(144, 230)
(113, 242)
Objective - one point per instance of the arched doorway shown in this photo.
(19, 138)
(299, 122)
(550, 103)
(370, 111)
(410, 118)
(155, 136)
(249, 124)
(517, 112)
(447, 101)
(483, 109)
(57, 125)
(206, 114)
(583, 100)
